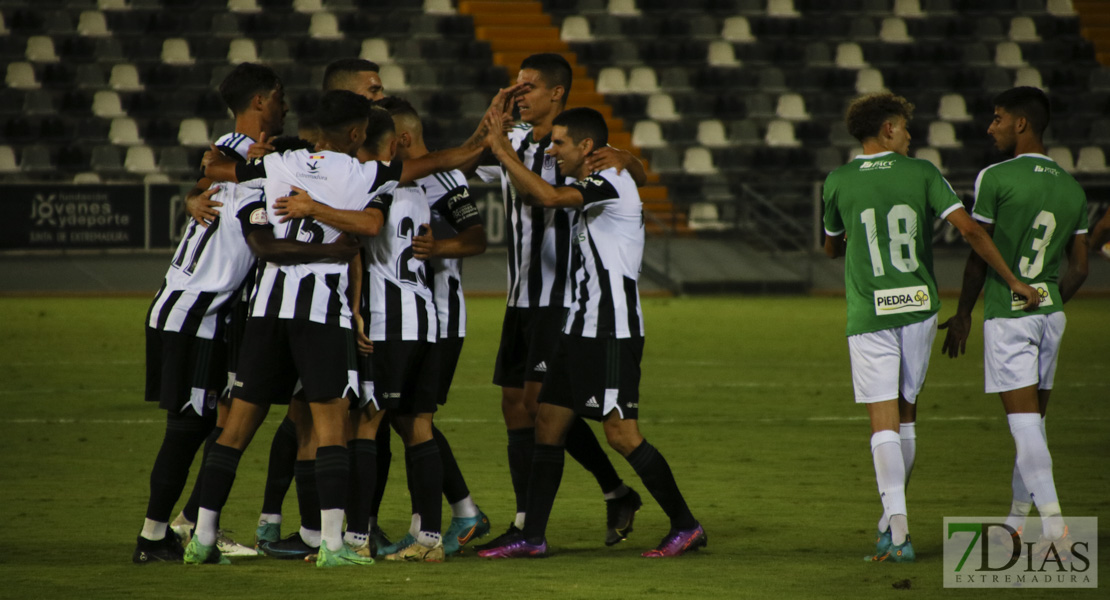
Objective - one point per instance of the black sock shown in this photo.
(547, 473)
(219, 475)
(454, 485)
(308, 499)
(658, 479)
(184, 436)
(409, 479)
(279, 474)
(522, 442)
(364, 464)
(385, 457)
(333, 468)
(427, 484)
(193, 503)
(582, 446)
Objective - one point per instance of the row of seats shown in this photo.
(109, 161)
(789, 9)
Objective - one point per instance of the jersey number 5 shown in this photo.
(901, 224)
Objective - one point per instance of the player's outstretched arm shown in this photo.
(531, 187)
(299, 205)
(834, 245)
(265, 246)
(609, 157)
(469, 242)
(1076, 272)
(981, 242)
(218, 167)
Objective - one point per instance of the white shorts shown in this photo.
(892, 362)
(1022, 352)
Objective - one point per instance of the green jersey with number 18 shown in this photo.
(885, 205)
(1035, 207)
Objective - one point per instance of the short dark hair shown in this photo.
(553, 68)
(865, 115)
(582, 123)
(246, 81)
(344, 67)
(1028, 102)
(379, 125)
(340, 109)
(397, 105)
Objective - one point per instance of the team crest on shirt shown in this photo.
(314, 162)
(548, 161)
(902, 300)
(258, 217)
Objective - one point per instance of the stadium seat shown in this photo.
(647, 134)
(112, 5)
(642, 80)
(660, 107)
(698, 161)
(711, 134)
(1091, 160)
(40, 49)
(780, 134)
(1060, 8)
(772, 80)
(21, 76)
(375, 50)
(125, 78)
(308, 6)
(932, 155)
(943, 135)
(1022, 29)
(721, 54)
(225, 25)
(176, 161)
(611, 80)
(704, 216)
(1029, 76)
(737, 30)
(106, 105)
(996, 79)
(817, 55)
(1008, 54)
(1061, 155)
(869, 81)
(438, 7)
(243, 6)
(36, 160)
(849, 55)
(908, 9)
(274, 51)
(92, 23)
(665, 160)
(953, 108)
(140, 159)
(175, 51)
(242, 50)
(193, 132)
(106, 159)
(894, 31)
(575, 29)
(324, 26)
(109, 50)
(782, 9)
(744, 133)
(38, 102)
(759, 106)
(7, 160)
(623, 8)
(124, 132)
(3, 27)
(86, 178)
(393, 77)
(791, 107)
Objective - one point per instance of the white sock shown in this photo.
(311, 537)
(464, 509)
(331, 528)
(890, 474)
(427, 538)
(154, 530)
(414, 525)
(1035, 464)
(265, 518)
(1021, 503)
(206, 529)
(908, 434)
(519, 522)
(619, 492)
(355, 539)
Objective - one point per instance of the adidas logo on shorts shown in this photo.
(542, 367)
(592, 402)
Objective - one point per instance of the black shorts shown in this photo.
(528, 337)
(237, 324)
(594, 376)
(449, 350)
(183, 369)
(403, 377)
(276, 352)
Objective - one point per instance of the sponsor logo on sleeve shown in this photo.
(902, 300)
(1017, 302)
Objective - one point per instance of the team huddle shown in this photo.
(322, 272)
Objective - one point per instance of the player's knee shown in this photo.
(623, 436)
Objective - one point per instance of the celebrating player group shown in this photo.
(321, 271)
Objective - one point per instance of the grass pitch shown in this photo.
(749, 399)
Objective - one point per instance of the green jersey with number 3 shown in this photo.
(1035, 207)
(885, 205)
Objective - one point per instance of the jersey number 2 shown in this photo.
(404, 273)
(901, 224)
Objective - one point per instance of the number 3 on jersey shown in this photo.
(1028, 269)
(901, 224)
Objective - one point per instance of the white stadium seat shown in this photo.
(647, 134)
(611, 80)
(642, 80)
(124, 132)
(92, 23)
(193, 132)
(1023, 29)
(849, 55)
(791, 107)
(375, 50)
(894, 31)
(737, 29)
(242, 50)
(324, 26)
(1008, 54)
(953, 108)
(21, 76)
(1091, 159)
(721, 54)
(711, 134)
(698, 161)
(908, 9)
(125, 78)
(140, 159)
(106, 105)
(943, 135)
(575, 29)
(781, 8)
(780, 134)
(1062, 156)
(660, 107)
(175, 51)
(869, 81)
(932, 155)
(40, 49)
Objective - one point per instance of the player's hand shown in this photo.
(1030, 293)
(424, 244)
(260, 148)
(346, 247)
(495, 137)
(955, 340)
(608, 157)
(202, 207)
(297, 205)
(365, 346)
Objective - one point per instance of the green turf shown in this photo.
(748, 398)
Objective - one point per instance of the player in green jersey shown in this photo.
(1036, 212)
(876, 209)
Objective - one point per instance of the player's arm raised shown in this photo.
(532, 188)
(609, 157)
(299, 205)
(1076, 272)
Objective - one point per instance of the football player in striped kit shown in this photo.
(594, 371)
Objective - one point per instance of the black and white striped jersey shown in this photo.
(609, 248)
(209, 266)
(453, 210)
(538, 239)
(314, 291)
(239, 143)
(396, 284)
